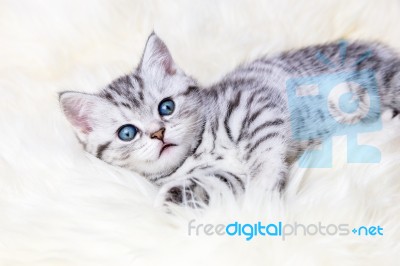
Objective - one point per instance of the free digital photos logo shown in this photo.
(345, 102)
(281, 230)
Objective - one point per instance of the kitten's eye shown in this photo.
(166, 107)
(127, 132)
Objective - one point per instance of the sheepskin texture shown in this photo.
(61, 206)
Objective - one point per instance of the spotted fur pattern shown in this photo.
(235, 133)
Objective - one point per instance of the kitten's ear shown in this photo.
(80, 110)
(157, 55)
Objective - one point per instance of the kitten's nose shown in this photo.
(159, 134)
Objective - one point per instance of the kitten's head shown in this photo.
(148, 121)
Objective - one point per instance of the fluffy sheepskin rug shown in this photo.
(60, 206)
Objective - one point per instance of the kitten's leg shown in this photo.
(268, 166)
(195, 189)
(186, 191)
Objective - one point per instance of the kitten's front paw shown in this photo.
(186, 192)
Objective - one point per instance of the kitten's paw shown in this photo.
(186, 192)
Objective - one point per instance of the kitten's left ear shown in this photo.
(82, 110)
(156, 55)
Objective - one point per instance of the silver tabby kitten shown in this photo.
(157, 122)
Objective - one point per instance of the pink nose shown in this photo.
(159, 134)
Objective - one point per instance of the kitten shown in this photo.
(157, 122)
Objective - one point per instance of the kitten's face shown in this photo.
(148, 121)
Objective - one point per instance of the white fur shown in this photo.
(60, 206)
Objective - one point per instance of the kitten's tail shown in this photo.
(390, 86)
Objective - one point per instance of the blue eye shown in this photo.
(127, 132)
(166, 107)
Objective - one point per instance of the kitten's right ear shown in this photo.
(80, 110)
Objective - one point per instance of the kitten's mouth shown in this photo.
(166, 147)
